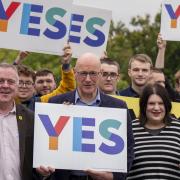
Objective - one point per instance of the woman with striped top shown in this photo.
(157, 138)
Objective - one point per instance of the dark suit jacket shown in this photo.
(106, 101)
(25, 121)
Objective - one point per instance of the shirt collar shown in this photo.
(95, 102)
(12, 111)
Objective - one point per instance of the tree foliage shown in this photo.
(122, 44)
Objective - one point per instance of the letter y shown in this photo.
(5, 15)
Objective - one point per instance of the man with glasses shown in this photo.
(26, 85)
(87, 73)
(109, 76)
(41, 86)
(16, 129)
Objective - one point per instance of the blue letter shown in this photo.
(26, 19)
(100, 36)
(75, 28)
(61, 28)
(79, 134)
(119, 143)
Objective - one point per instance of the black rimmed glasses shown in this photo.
(8, 81)
(25, 83)
(84, 74)
(112, 75)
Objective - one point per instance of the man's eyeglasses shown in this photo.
(112, 75)
(92, 74)
(25, 83)
(9, 81)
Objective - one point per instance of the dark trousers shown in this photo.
(75, 177)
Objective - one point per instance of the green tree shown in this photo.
(122, 44)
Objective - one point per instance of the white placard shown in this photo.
(37, 26)
(91, 138)
(170, 21)
(44, 26)
(89, 30)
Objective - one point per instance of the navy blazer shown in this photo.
(106, 101)
(25, 122)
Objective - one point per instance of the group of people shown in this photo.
(153, 140)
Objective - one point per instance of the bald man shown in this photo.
(87, 72)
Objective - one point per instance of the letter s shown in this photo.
(119, 142)
(52, 21)
(90, 28)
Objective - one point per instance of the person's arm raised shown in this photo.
(68, 80)
(20, 57)
(161, 52)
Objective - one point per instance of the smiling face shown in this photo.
(87, 75)
(139, 72)
(45, 84)
(8, 85)
(26, 88)
(155, 110)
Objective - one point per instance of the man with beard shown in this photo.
(44, 82)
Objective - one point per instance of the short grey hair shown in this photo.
(10, 66)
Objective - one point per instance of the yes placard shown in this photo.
(37, 26)
(95, 137)
(170, 21)
(46, 26)
(89, 30)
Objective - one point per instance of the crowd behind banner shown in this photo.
(148, 101)
(150, 105)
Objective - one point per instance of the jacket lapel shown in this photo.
(71, 97)
(21, 128)
(103, 100)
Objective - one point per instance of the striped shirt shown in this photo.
(156, 156)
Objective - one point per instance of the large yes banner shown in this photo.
(46, 26)
(39, 26)
(80, 137)
(170, 20)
